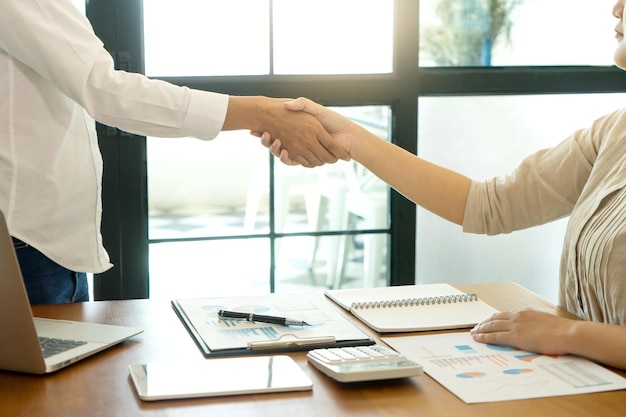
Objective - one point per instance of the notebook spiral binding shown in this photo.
(422, 301)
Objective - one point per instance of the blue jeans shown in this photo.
(46, 281)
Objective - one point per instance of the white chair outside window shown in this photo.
(356, 199)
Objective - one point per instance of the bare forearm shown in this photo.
(600, 342)
(439, 190)
(301, 134)
(244, 113)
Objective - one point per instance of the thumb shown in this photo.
(303, 104)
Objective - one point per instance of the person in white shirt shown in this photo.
(55, 79)
(583, 177)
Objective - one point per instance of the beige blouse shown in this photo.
(583, 177)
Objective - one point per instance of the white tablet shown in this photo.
(218, 377)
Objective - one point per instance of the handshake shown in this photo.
(302, 132)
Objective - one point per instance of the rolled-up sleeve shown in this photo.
(543, 188)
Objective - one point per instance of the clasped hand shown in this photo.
(334, 124)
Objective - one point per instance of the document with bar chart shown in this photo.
(478, 373)
(325, 325)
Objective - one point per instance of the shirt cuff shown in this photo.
(205, 115)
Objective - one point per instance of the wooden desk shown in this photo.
(100, 386)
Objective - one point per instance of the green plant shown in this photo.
(467, 31)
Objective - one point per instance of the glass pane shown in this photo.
(490, 136)
(341, 261)
(333, 37)
(200, 37)
(317, 199)
(204, 188)
(209, 268)
(221, 188)
(516, 32)
(337, 197)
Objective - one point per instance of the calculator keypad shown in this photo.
(356, 354)
(362, 363)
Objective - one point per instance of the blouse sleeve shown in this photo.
(543, 188)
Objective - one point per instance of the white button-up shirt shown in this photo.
(55, 79)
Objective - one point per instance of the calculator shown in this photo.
(363, 363)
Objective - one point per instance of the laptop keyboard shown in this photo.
(51, 346)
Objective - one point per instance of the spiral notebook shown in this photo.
(409, 308)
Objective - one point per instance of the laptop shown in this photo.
(39, 346)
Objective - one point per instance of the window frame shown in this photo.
(119, 24)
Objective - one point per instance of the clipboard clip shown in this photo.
(288, 341)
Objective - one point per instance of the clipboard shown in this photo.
(217, 337)
(291, 341)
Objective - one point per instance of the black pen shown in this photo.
(283, 321)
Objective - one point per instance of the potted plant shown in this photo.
(467, 31)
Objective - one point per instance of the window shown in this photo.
(212, 214)
(515, 32)
(208, 199)
(333, 37)
(309, 37)
(404, 89)
(204, 38)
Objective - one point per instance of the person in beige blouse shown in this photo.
(584, 177)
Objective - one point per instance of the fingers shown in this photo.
(307, 157)
(495, 322)
(306, 139)
(311, 162)
(308, 153)
(495, 338)
(323, 115)
(494, 329)
(526, 329)
(336, 150)
(309, 143)
(266, 140)
(275, 148)
(285, 159)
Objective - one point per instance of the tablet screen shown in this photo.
(218, 377)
